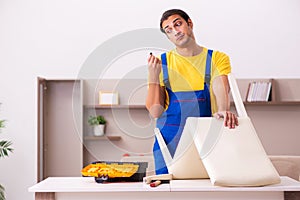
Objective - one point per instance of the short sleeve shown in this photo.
(221, 64)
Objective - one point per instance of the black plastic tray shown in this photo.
(136, 177)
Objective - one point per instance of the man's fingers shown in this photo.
(227, 119)
(230, 119)
(152, 60)
(236, 120)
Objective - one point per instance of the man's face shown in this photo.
(178, 30)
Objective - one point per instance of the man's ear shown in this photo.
(190, 23)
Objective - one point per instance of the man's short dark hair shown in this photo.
(171, 12)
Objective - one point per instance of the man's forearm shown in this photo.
(155, 99)
(221, 92)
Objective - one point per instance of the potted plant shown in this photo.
(98, 122)
(4, 150)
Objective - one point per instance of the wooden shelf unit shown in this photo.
(64, 107)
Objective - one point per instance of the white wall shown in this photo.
(52, 39)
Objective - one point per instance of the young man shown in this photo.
(188, 81)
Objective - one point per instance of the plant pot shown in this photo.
(99, 130)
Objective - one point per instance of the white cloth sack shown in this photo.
(232, 157)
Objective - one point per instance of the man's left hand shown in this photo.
(230, 119)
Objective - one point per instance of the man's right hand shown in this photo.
(154, 69)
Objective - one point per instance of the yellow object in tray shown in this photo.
(111, 170)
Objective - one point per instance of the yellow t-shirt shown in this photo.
(188, 73)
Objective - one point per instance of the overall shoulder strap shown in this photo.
(165, 70)
(208, 67)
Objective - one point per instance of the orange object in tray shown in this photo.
(117, 171)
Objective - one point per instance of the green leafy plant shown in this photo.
(2, 197)
(96, 120)
(4, 145)
(5, 148)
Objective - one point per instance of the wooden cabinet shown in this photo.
(59, 128)
(66, 143)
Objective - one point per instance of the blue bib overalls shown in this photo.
(181, 106)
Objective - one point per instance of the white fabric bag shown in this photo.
(232, 157)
